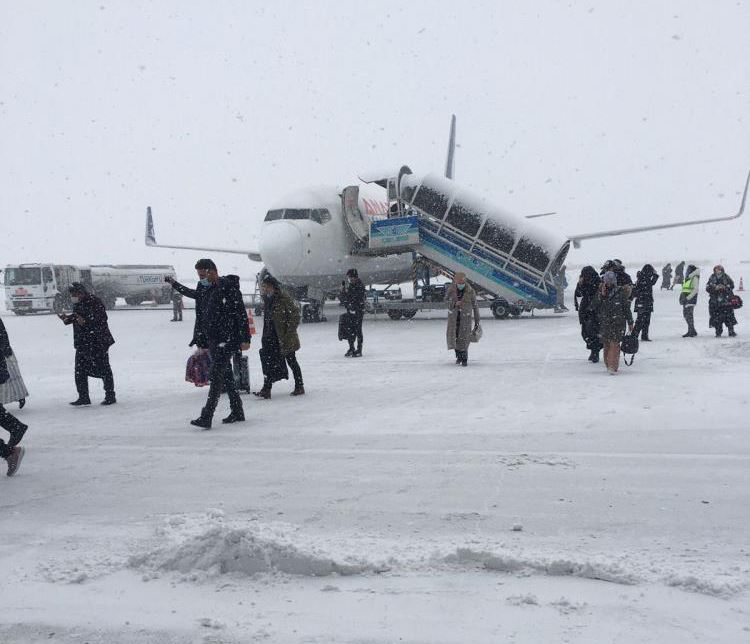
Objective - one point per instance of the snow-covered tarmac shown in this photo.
(527, 498)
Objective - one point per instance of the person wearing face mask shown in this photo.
(280, 339)
(353, 297)
(612, 304)
(463, 317)
(720, 312)
(92, 340)
(223, 329)
(202, 268)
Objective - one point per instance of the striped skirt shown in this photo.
(14, 389)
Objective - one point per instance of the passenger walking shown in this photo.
(280, 339)
(689, 298)
(586, 289)
(224, 330)
(92, 340)
(463, 317)
(666, 278)
(11, 451)
(613, 306)
(643, 292)
(679, 274)
(199, 294)
(720, 311)
(623, 279)
(176, 305)
(14, 388)
(353, 297)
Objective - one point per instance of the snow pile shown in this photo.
(715, 588)
(219, 549)
(602, 571)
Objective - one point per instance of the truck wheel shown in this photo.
(394, 314)
(19, 312)
(500, 310)
(410, 314)
(131, 301)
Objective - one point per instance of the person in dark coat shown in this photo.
(11, 451)
(666, 278)
(623, 279)
(643, 292)
(14, 388)
(92, 340)
(280, 339)
(225, 331)
(176, 305)
(353, 297)
(612, 304)
(202, 268)
(463, 317)
(679, 274)
(689, 298)
(720, 312)
(586, 289)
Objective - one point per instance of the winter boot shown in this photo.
(202, 421)
(16, 434)
(299, 390)
(234, 417)
(263, 393)
(349, 353)
(109, 398)
(14, 460)
(81, 401)
(732, 334)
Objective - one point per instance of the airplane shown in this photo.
(310, 238)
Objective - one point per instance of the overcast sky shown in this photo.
(612, 114)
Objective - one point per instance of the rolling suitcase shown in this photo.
(241, 372)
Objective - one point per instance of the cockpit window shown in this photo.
(319, 215)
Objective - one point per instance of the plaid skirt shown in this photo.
(14, 388)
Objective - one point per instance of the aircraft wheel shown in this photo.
(500, 310)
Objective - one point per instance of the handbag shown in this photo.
(735, 301)
(629, 345)
(198, 368)
(476, 333)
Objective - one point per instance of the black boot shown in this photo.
(732, 334)
(17, 430)
(202, 421)
(82, 400)
(234, 417)
(109, 398)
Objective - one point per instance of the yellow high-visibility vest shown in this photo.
(687, 285)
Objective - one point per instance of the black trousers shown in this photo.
(358, 317)
(460, 355)
(83, 367)
(642, 322)
(291, 360)
(687, 313)
(222, 379)
(176, 311)
(590, 330)
(10, 423)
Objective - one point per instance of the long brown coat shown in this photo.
(469, 310)
(285, 316)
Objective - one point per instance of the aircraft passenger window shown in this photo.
(464, 219)
(296, 213)
(531, 254)
(432, 202)
(321, 215)
(496, 236)
(273, 215)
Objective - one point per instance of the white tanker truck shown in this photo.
(33, 288)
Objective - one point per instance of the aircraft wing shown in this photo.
(151, 241)
(577, 239)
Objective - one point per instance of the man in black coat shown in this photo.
(586, 289)
(643, 292)
(223, 326)
(202, 267)
(12, 452)
(353, 298)
(92, 340)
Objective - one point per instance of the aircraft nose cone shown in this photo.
(281, 248)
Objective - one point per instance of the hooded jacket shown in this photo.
(643, 291)
(224, 319)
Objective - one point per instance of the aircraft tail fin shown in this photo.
(150, 236)
(450, 160)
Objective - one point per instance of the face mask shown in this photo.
(205, 281)
(460, 287)
(75, 300)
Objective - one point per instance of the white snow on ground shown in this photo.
(527, 498)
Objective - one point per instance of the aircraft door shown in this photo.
(353, 217)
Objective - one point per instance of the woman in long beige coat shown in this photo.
(463, 317)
